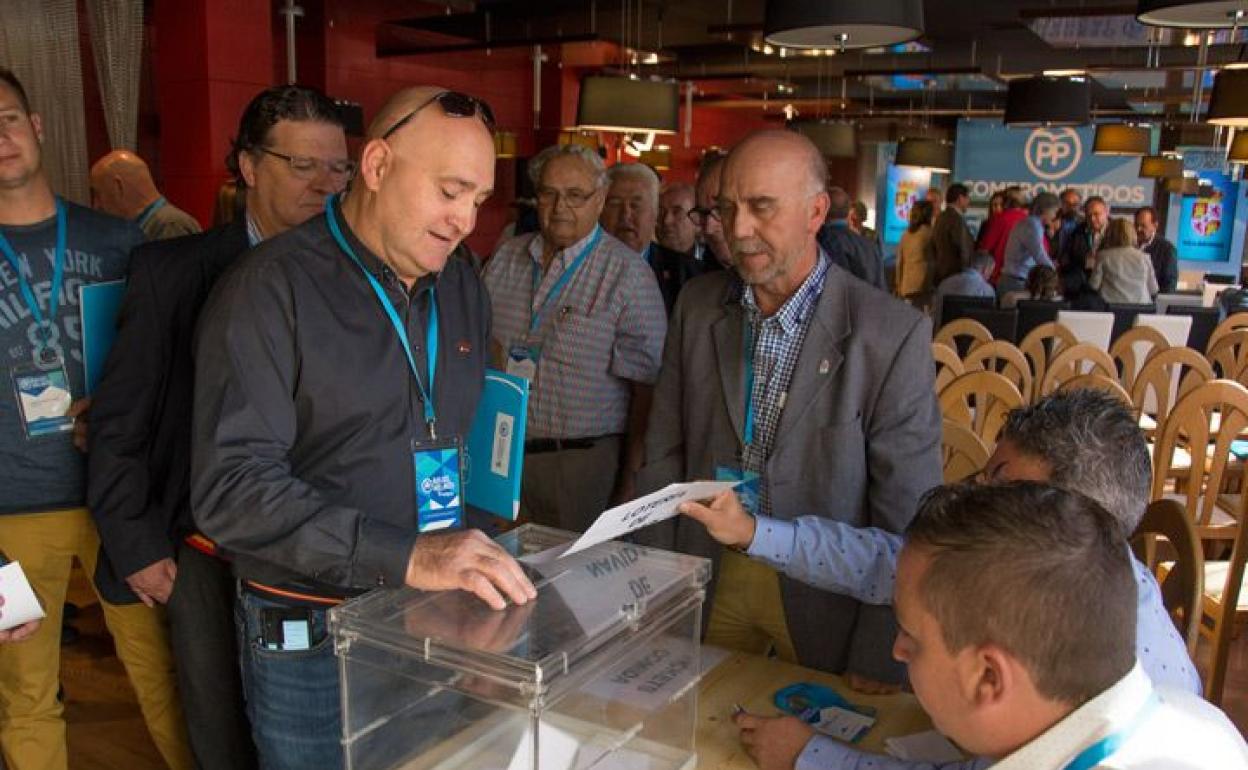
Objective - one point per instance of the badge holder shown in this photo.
(522, 358)
(439, 467)
(41, 390)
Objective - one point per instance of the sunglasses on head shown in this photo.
(454, 104)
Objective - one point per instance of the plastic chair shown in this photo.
(963, 335)
(980, 402)
(962, 452)
(1003, 358)
(1182, 580)
(1132, 349)
(1044, 342)
(948, 364)
(1082, 358)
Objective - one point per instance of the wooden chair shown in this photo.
(1003, 358)
(1233, 322)
(1198, 433)
(948, 364)
(951, 334)
(1099, 382)
(1081, 358)
(1166, 377)
(962, 452)
(1132, 349)
(1229, 355)
(1040, 345)
(1224, 605)
(1183, 579)
(980, 401)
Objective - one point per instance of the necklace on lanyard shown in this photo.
(45, 356)
(535, 314)
(150, 211)
(400, 329)
(1107, 746)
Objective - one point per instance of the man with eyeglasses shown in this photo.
(1081, 440)
(811, 388)
(581, 317)
(49, 247)
(290, 153)
(710, 232)
(337, 371)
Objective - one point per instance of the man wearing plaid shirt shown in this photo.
(579, 315)
(811, 387)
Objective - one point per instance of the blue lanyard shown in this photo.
(1107, 746)
(431, 332)
(58, 272)
(535, 316)
(749, 382)
(150, 210)
(646, 254)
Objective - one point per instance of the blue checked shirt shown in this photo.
(777, 344)
(603, 332)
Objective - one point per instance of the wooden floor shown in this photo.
(106, 730)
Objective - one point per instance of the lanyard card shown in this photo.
(439, 488)
(43, 398)
(747, 490)
(522, 358)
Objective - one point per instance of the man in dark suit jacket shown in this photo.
(846, 248)
(845, 420)
(1078, 255)
(140, 429)
(1162, 252)
(952, 244)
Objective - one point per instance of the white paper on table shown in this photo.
(929, 746)
(558, 750)
(20, 604)
(644, 511)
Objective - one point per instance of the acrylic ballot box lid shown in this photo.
(588, 605)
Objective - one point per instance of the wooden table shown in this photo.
(751, 681)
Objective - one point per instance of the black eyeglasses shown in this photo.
(454, 104)
(699, 215)
(305, 167)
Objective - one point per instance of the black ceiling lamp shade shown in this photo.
(1239, 148)
(1193, 14)
(1185, 185)
(628, 106)
(834, 140)
(1176, 135)
(842, 24)
(1122, 139)
(1161, 166)
(931, 154)
(1048, 101)
(1228, 103)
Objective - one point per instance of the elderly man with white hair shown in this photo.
(579, 315)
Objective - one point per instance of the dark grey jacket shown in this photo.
(850, 251)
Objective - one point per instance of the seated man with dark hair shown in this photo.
(1039, 670)
(1082, 440)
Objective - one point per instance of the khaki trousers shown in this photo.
(32, 730)
(748, 613)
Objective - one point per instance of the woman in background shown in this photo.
(1123, 274)
(915, 262)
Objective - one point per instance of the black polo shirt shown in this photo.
(306, 412)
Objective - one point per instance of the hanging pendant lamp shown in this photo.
(626, 105)
(842, 24)
(834, 140)
(1239, 148)
(1193, 14)
(1048, 101)
(932, 154)
(1161, 166)
(1228, 103)
(1187, 184)
(1122, 139)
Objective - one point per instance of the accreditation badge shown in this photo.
(522, 358)
(439, 484)
(43, 398)
(747, 490)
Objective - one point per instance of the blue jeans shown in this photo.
(293, 697)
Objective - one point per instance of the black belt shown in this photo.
(540, 445)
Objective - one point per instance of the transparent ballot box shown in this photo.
(600, 671)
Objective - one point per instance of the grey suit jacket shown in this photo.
(859, 440)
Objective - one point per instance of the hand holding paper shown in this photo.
(725, 519)
(644, 511)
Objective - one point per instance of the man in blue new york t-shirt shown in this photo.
(51, 247)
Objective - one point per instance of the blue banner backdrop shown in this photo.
(990, 156)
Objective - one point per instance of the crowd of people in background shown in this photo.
(252, 455)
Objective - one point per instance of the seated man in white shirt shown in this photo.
(1081, 440)
(1017, 611)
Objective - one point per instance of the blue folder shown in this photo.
(494, 453)
(99, 304)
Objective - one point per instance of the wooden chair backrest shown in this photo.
(1157, 377)
(948, 364)
(1229, 355)
(963, 327)
(1223, 613)
(1232, 322)
(1183, 587)
(1003, 358)
(1040, 345)
(1099, 382)
(1080, 358)
(980, 401)
(962, 452)
(1189, 426)
(1132, 349)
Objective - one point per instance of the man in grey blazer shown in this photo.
(841, 418)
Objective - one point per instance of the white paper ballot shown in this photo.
(644, 511)
(929, 746)
(20, 605)
(558, 750)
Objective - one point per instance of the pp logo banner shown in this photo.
(1053, 153)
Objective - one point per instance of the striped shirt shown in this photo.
(777, 344)
(604, 331)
